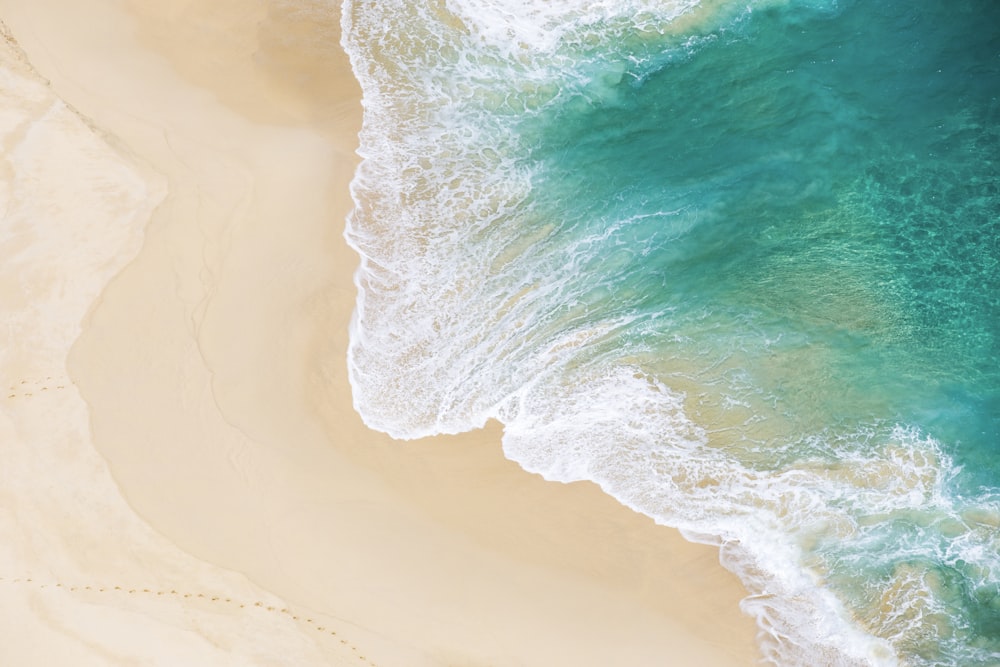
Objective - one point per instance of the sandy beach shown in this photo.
(185, 481)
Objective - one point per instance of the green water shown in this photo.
(805, 216)
(742, 271)
(822, 183)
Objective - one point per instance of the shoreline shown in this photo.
(213, 370)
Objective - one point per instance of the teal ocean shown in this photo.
(738, 263)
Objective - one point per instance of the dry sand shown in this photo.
(184, 481)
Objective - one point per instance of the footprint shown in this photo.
(21, 389)
(214, 598)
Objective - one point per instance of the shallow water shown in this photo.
(740, 265)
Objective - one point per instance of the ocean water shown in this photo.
(736, 262)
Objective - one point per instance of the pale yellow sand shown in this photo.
(181, 222)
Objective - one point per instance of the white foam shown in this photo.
(542, 26)
(631, 436)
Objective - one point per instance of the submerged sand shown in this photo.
(184, 478)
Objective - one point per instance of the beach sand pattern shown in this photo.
(74, 209)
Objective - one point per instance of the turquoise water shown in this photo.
(738, 264)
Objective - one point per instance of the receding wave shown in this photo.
(555, 233)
